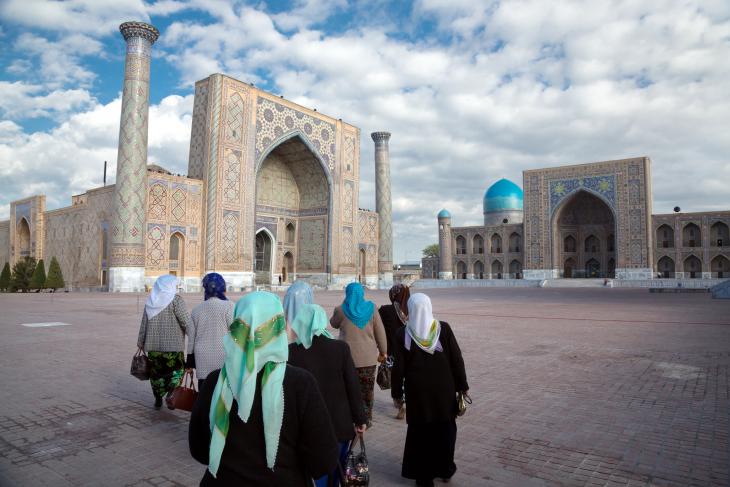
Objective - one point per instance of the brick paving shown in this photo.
(571, 387)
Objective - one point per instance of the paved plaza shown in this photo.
(574, 387)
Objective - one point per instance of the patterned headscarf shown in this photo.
(399, 295)
(214, 286)
(311, 321)
(256, 340)
(163, 292)
(422, 327)
(298, 294)
(355, 307)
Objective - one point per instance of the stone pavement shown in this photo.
(573, 387)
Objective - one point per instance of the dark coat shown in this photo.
(430, 380)
(307, 445)
(391, 323)
(331, 364)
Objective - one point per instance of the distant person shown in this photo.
(331, 364)
(360, 327)
(394, 317)
(259, 421)
(165, 321)
(430, 368)
(210, 322)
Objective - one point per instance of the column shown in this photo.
(127, 259)
(445, 257)
(383, 207)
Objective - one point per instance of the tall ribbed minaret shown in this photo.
(384, 209)
(446, 270)
(126, 269)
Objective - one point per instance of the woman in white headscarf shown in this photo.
(165, 321)
(429, 367)
(259, 421)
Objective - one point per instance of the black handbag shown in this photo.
(140, 365)
(383, 376)
(355, 472)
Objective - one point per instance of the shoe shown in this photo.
(401, 413)
(158, 402)
(168, 401)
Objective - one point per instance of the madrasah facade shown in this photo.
(590, 220)
(271, 193)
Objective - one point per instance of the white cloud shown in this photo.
(19, 100)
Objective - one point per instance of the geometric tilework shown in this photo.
(158, 202)
(312, 245)
(229, 251)
(232, 176)
(273, 120)
(155, 246)
(604, 186)
(178, 205)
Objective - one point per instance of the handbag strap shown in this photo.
(362, 444)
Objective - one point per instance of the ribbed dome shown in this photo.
(444, 213)
(504, 195)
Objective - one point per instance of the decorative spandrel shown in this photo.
(604, 186)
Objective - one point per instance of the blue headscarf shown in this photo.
(355, 307)
(214, 286)
(298, 294)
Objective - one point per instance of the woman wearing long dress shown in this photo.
(430, 368)
(165, 321)
(209, 324)
(259, 421)
(360, 327)
(331, 364)
(394, 317)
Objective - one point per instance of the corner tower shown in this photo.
(127, 259)
(445, 264)
(383, 207)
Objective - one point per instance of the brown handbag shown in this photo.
(140, 365)
(184, 395)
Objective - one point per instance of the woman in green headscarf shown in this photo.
(331, 364)
(361, 328)
(259, 421)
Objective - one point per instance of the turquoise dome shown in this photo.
(504, 195)
(444, 213)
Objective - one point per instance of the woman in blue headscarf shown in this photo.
(210, 322)
(361, 328)
(259, 421)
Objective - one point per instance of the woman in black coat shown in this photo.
(394, 317)
(429, 366)
(331, 364)
(270, 425)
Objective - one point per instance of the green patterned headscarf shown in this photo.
(310, 321)
(256, 340)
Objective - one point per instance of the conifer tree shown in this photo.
(38, 280)
(55, 276)
(5, 277)
(22, 273)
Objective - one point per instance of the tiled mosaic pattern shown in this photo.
(383, 201)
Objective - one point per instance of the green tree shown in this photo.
(431, 251)
(38, 280)
(5, 278)
(55, 276)
(22, 273)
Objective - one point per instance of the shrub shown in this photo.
(38, 280)
(22, 273)
(55, 276)
(6, 278)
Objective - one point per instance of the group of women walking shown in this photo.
(281, 400)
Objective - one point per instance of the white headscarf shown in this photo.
(421, 326)
(162, 294)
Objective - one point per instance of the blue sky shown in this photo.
(472, 91)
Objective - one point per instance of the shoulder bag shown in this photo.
(184, 395)
(140, 365)
(355, 472)
(384, 369)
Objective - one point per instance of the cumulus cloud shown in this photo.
(491, 89)
(23, 100)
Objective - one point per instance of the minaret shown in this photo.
(126, 270)
(384, 209)
(445, 258)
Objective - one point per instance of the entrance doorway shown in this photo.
(262, 262)
(593, 268)
(568, 268)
